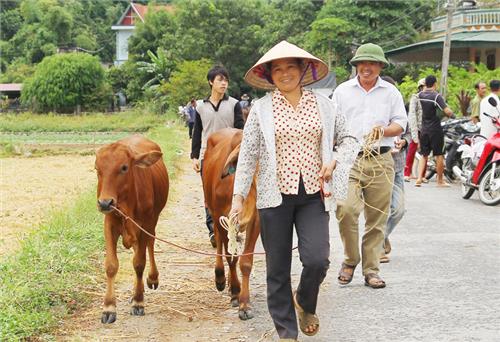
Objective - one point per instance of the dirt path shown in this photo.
(186, 307)
(31, 187)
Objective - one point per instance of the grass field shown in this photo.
(60, 261)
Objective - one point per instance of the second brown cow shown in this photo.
(219, 163)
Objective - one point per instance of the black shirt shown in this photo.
(431, 101)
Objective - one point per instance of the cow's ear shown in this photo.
(147, 159)
(231, 162)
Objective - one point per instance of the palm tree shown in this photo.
(159, 68)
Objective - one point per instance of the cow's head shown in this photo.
(115, 165)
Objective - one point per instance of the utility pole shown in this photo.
(450, 8)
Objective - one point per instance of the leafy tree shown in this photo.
(158, 30)
(11, 22)
(387, 23)
(188, 81)
(286, 20)
(17, 72)
(224, 31)
(64, 82)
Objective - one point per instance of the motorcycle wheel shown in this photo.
(467, 191)
(486, 195)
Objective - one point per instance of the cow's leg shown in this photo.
(220, 278)
(111, 267)
(152, 279)
(139, 262)
(246, 262)
(234, 282)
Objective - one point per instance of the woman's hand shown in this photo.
(325, 175)
(236, 207)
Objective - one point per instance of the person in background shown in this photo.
(291, 134)
(215, 112)
(487, 126)
(375, 112)
(481, 90)
(432, 135)
(397, 198)
(191, 111)
(415, 125)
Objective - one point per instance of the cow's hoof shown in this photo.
(235, 302)
(152, 284)
(220, 286)
(137, 311)
(108, 317)
(245, 314)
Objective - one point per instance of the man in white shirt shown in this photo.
(487, 126)
(373, 107)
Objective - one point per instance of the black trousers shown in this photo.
(208, 218)
(307, 213)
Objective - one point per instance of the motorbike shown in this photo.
(455, 132)
(481, 164)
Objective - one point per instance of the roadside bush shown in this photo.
(64, 82)
(459, 79)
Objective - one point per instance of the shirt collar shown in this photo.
(380, 83)
(307, 96)
(224, 98)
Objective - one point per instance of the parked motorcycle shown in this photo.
(481, 164)
(455, 131)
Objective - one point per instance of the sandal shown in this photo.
(377, 284)
(384, 259)
(347, 277)
(305, 319)
(418, 183)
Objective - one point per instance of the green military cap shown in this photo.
(369, 52)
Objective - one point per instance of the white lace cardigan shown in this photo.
(258, 145)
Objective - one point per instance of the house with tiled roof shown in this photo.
(475, 38)
(125, 26)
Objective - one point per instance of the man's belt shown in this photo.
(383, 149)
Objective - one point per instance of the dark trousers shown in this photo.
(208, 218)
(190, 126)
(308, 214)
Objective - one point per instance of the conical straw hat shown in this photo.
(258, 76)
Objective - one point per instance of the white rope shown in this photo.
(236, 238)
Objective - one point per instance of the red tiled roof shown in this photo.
(143, 9)
(11, 86)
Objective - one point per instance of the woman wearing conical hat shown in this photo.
(291, 134)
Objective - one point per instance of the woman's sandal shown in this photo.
(305, 319)
(347, 277)
(377, 284)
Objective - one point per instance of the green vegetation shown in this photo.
(131, 121)
(459, 80)
(45, 280)
(67, 82)
(232, 33)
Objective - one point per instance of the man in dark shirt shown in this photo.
(216, 112)
(432, 135)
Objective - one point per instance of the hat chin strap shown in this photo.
(313, 71)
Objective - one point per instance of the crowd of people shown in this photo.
(313, 156)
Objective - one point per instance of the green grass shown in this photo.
(131, 121)
(42, 282)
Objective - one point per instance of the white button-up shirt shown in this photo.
(380, 106)
(487, 126)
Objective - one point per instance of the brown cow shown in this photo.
(132, 177)
(219, 163)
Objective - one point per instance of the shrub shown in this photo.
(63, 82)
(459, 79)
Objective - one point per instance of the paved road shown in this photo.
(443, 278)
(443, 281)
